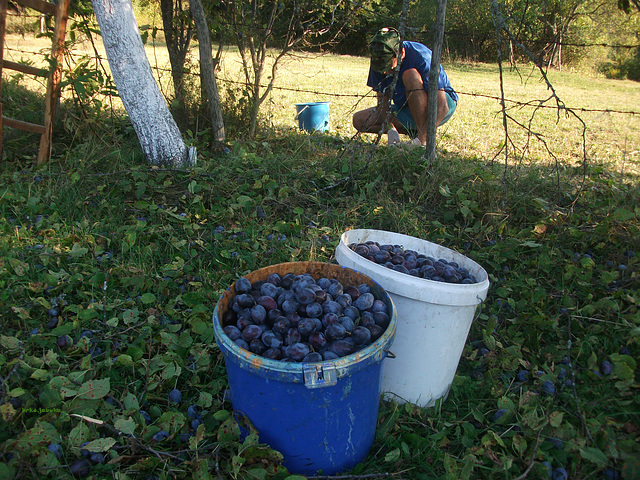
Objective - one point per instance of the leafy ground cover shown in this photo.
(110, 270)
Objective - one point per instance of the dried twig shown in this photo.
(533, 454)
(573, 383)
(349, 477)
(501, 27)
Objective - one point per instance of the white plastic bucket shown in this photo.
(434, 318)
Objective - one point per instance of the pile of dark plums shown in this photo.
(296, 318)
(413, 263)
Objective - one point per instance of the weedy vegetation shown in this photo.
(110, 270)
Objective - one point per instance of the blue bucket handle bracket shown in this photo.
(318, 376)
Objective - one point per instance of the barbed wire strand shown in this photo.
(514, 103)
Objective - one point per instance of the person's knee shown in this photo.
(366, 120)
(443, 106)
(358, 120)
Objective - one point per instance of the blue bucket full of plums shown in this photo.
(304, 345)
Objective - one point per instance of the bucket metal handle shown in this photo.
(318, 376)
(300, 112)
(390, 354)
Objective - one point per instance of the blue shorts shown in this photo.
(407, 121)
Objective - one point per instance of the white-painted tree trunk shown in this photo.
(157, 131)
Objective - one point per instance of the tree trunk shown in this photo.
(177, 33)
(434, 74)
(207, 74)
(156, 129)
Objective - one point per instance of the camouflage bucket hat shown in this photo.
(383, 48)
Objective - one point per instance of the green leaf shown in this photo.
(100, 445)
(205, 401)
(98, 279)
(135, 352)
(10, 343)
(43, 433)
(130, 402)
(67, 392)
(228, 431)
(7, 471)
(148, 298)
(23, 313)
(124, 359)
(170, 371)
(623, 215)
(519, 444)
(244, 201)
(130, 237)
(112, 322)
(204, 329)
(594, 455)
(587, 262)
(185, 340)
(130, 316)
(19, 267)
(79, 434)
(40, 374)
(77, 251)
(392, 456)
(125, 425)
(220, 415)
(624, 366)
(530, 243)
(16, 392)
(555, 419)
(171, 421)
(193, 298)
(87, 314)
(94, 389)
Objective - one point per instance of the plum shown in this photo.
(80, 468)
(243, 285)
(175, 396)
(56, 449)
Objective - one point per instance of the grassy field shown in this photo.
(110, 270)
(476, 131)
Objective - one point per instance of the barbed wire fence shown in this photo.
(507, 148)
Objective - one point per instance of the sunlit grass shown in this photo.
(552, 135)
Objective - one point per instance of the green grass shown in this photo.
(134, 259)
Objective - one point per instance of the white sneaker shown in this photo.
(393, 137)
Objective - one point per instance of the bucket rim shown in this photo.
(311, 104)
(397, 283)
(294, 371)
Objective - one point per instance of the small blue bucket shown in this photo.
(320, 416)
(313, 116)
